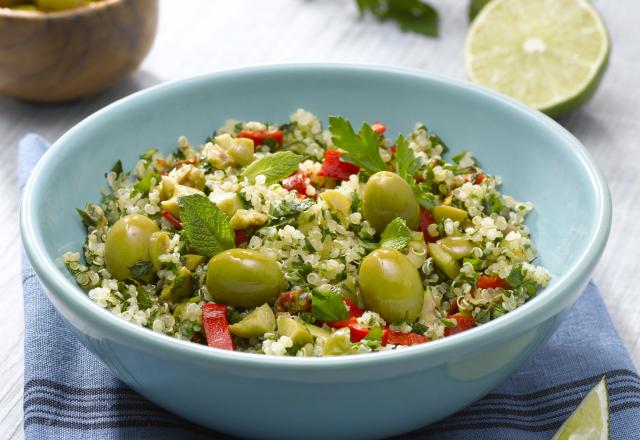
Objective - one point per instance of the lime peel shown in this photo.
(590, 420)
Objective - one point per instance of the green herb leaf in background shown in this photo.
(362, 149)
(205, 227)
(410, 15)
(328, 306)
(274, 167)
(396, 235)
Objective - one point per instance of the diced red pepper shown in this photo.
(294, 301)
(426, 219)
(163, 163)
(379, 128)
(333, 167)
(356, 331)
(453, 309)
(397, 338)
(480, 178)
(493, 282)
(259, 136)
(175, 222)
(296, 182)
(393, 149)
(214, 321)
(464, 322)
(240, 236)
(354, 310)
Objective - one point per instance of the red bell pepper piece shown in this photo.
(493, 282)
(175, 222)
(214, 321)
(356, 331)
(393, 149)
(294, 301)
(463, 322)
(333, 167)
(343, 323)
(296, 182)
(354, 310)
(240, 236)
(426, 219)
(397, 338)
(379, 128)
(259, 136)
(480, 178)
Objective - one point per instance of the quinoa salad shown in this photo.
(304, 239)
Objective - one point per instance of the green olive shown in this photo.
(244, 278)
(57, 5)
(256, 323)
(127, 244)
(180, 287)
(391, 286)
(159, 243)
(443, 260)
(387, 196)
(457, 247)
(444, 211)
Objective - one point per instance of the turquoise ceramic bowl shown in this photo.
(361, 396)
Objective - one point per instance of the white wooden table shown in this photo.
(210, 35)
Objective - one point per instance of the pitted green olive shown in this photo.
(443, 260)
(391, 286)
(444, 211)
(387, 196)
(457, 247)
(180, 287)
(244, 278)
(127, 244)
(159, 243)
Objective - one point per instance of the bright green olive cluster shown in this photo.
(44, 5)
(391, 286)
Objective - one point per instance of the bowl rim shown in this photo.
(121, 330)
(92, 7)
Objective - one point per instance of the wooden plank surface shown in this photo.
(212, 35)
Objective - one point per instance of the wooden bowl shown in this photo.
(62, 56)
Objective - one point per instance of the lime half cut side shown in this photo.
(549, 54)
(590, 421)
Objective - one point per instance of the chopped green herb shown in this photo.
(424, 196)
(407, 164)
(410, 15)
(145, 184)
(396, 235)
(87, 220)
(205, 227)
(117, 168)
(458, 157)
(274, 167)
(328, 306)
(141, 268)
(283, 213)
(148, 155)
(493, 204)
(362, 149)
(144, 302)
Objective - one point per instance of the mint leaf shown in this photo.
(411, 15)
(144, 185)
(362, 149)
(407, 164)
(328, 306)
(205, 227)
(141, 268)
(396, 235)
(274, 167)
(283, 213)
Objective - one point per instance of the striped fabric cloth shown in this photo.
(69, 394)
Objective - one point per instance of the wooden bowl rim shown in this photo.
(64, 13)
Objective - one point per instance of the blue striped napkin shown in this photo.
(69, 394)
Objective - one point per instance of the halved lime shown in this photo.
(549, 54)
(590, 420)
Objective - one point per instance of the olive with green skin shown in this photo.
(127, 244)
(391, 286)
(244, 278)
(387, 196)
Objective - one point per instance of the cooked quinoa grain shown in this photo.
(301, 240)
